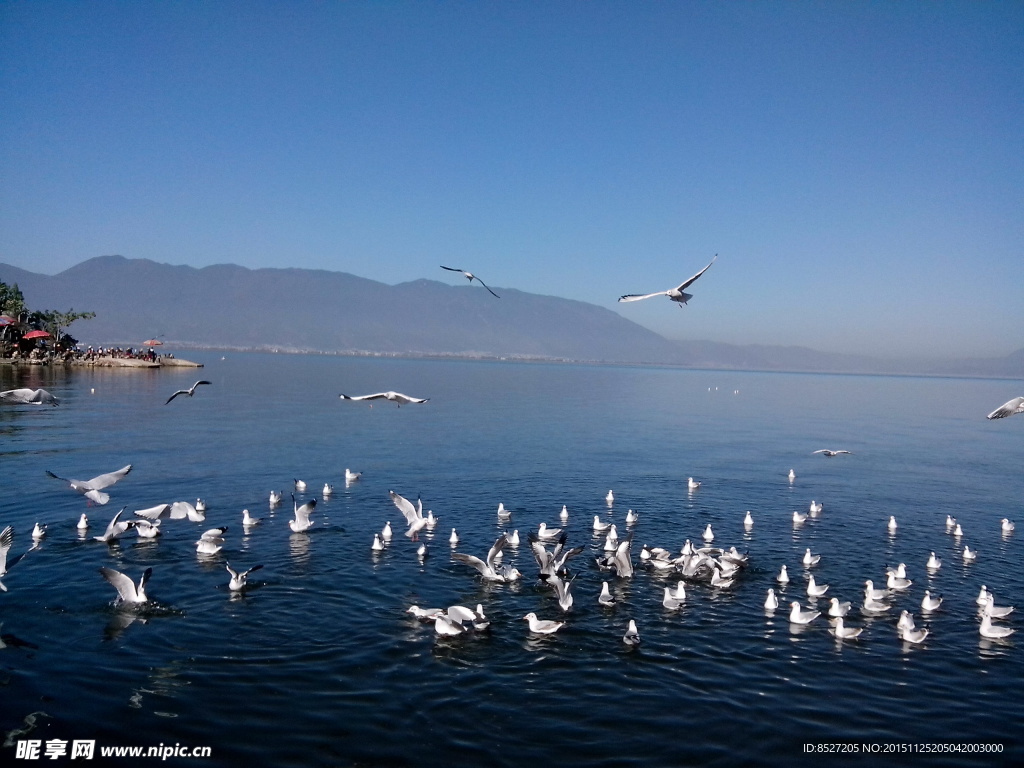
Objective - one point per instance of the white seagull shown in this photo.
(6, 539)
(771, 602)
(670, 601)
(147, 529)
(798, 518)
(486, 567)
(792, 475)
(127, 591)
(395, 397)
(83, 522)
(892, 524)
(248, 520)
(115, 528)
(300, 485)
(988, 630)
(837, 609)
(238, 578)
(28, 397)
(1008, 408)
(632, 636)
(302, 523)
(692, 484)
(386, 533)
(542, 626)
(815, 507)
(934, 563)
(796, 616)
(677, 294)
(970, 554)
(783, 577)
(93, 489)
(413, 514)
(276, 497)
(1007, 526)
(38, 532)
(844, 633)
(471, 277)
(930, 604)
(605, 598)
(810, 559)
(378, 545)
(212, 541)
(816, 590)
(351, 477)
(830, 453)
(748, 521)
(190, 391)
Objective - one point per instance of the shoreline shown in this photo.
(106, 362)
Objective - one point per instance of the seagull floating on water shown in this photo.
(796, 616)
(677, 294)
(504, 514)
(248, 520)
(564, 514)
(892, 524)
(995, 611)
(970, 554)
(386, 533)
(127, 591)
(632, 636)
(792, 475)
(147, 529)
(394, 397)
(93, 489)
(914, 636)
(810, 559)
(783, 577)
(212, 541)
(190, 391)
(605, 598)
(670, 601)
(692, 484)
(328, 490)
(276, 497)
(1006, 526)
(816, 590)
(1008, 408)
(989, 630)
(83, 522)
(771, 602)
(471, 277)
(238, 578)
(930, 604)
(378, 545)
(709, 535)
(28, 397)
(542, 626)
(934, 563)
(983, 595)
(798, 518)
(631, 517)
(351, 477)
(815, 507)
(837, 609)
(748, 521)
(844, 633)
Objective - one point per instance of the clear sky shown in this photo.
(857, 166)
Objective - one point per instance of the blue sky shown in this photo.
(858, 167)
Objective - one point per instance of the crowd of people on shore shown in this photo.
(40, 354)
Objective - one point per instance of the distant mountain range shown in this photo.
(296, 310)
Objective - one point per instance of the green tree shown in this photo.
(12, 302)
(55, 322)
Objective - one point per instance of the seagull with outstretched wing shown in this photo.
(830, 453)
(28, 397)
(394, 397)
(676, 294)
(471, 277)
(93, 489)
(190, 391)
(1008, 409)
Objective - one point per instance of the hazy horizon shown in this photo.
(856, 167)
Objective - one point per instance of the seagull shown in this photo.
(798, 518)
(915, 636)
(561, 590)
(816, 590)
(28, 397)
(605, 598)
(771, 602)
(670, 601)
(995, 611)
(844, 633)
(200, 505)
(631, 517)
(300, 486)
(609, 498)
(212, 541)
(237, 583)
(815, 507)
(450, 623)
(413, 514)
(378, 545)
(93, 489)
(906, 622)
(958, 531)
(870, 593)
(421, 550)
(115, 528)
(709, 535)
(486, 567)
(1007, 526)
(190, 391)
(983, 595)
(837, 609)
(632, 636)
(126, 590)
(810, 559)
(896, 583)
(930, 604)
(950, 522)
(792, 475)
(892, 524)
(395, 397)
(970, 554)
(454, 538)
(692, 484)
(934, 563)
(796, 616)
(505, 514)
(328, 490)
(676, 294)
(871, 605)
(147, 529)
(829, 453)
(424, 614)
(680, 593)
(276, 497)
(783, 577)
(513, 539)
(83, 522)
(600, 527)
(995, 633)
(6, 539)
(351, 477)
(38, 532)
(542, 626)
(248, 520)
(471, 277)
(179, 510)
(302, 522)
(748, 521)
(548, 534)
(1006, 409)
(386, 533)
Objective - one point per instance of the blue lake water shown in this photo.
(318, 664)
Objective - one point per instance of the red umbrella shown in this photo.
(36, 335)
(153, 343)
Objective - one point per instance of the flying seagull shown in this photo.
(6, 539)
(28, 397)
(1006, 409)
(471, 277)
(190, 391)
(395, 397)
(127, 592)
(829, 453)
(677, 294)
(93, 489)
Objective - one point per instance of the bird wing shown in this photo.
(112, 526)
(179, 392)
(154, 513)
(409, 512)
(6, 539)
(476, 562)
(302, 513)
(201, 381)
(104, 481)
(181, 509)
(459, 614)
(486, 286)
(492, 553)
(1008, 409)
(377, 396)
(453, 269)
(97, 497)
(254, 568)
(214, 533)
(638, 296)
(125, 587)
(687, 283)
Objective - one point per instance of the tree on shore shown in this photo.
(55, 323)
